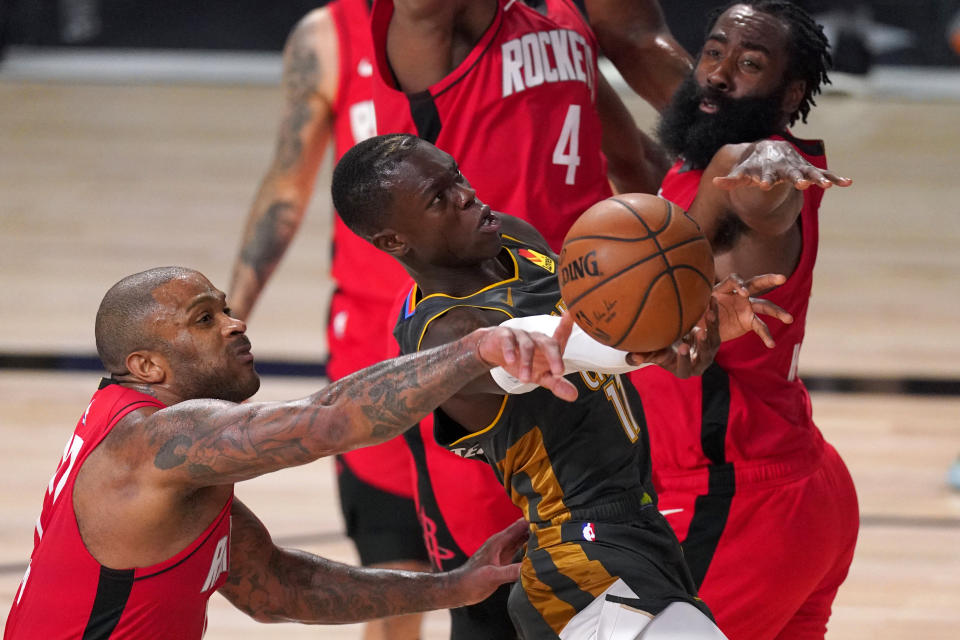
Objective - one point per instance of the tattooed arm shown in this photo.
(310, 78)
(200, 443)
(272, 584)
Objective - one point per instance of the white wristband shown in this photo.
(582, 353)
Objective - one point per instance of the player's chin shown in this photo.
(246, 385)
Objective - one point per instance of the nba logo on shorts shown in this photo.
(588, 533)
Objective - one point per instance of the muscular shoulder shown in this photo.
(311, 56)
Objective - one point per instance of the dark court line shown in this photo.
(324, 537)
(83, 362)
(912, 386)
(296, 541)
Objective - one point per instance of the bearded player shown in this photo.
(764, 506)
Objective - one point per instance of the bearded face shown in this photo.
(686, 130)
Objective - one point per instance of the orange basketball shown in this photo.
(636, 272)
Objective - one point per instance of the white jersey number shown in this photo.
(567, 151)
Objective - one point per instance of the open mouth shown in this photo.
(708, 105)
(489, 220)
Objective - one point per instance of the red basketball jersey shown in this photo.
(357, 266)
(66, 593)
(367, 279)
(750, 406)
(518, 114)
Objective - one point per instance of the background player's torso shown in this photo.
(517, 114)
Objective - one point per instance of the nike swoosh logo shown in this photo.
(667, 512)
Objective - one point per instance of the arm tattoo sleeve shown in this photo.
(301, 78)
(272, 584)
(271, 236)
(214, 442)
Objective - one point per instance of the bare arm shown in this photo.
(634, 35)
(635, 163)
(761, 183)
(272, 584)
(310, 76)
(200, 443)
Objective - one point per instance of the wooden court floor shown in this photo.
(98, 181)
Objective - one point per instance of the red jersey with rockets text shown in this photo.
(359, 268)
(750, 406)
(66, 593)
(367, 279)
(518, 114)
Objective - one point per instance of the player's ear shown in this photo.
(147, 366)
(793, 96)
(390, 241)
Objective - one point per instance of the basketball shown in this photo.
(636, 272)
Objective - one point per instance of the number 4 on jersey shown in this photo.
(567, 151)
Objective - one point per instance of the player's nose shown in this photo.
(465, 196)
(233, 326)
(718, 77)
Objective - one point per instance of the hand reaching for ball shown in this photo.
(732, 312)
(738, 311)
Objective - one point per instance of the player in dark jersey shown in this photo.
(328, 84)
(513, 91)
(580, 473)
(139, 523)
(764, 506)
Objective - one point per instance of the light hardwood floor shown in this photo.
(98, 181)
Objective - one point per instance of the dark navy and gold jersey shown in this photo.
(559, 460)
(580, 471)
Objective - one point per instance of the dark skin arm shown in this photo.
(635, 163)
(310, 69)
(272, 584)
(748, 202)
(201, 443)
(635, 36)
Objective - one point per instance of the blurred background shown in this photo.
(134, 134)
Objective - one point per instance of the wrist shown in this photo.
(477, 337)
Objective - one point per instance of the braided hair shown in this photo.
(808, 55)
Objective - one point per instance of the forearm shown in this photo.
(272, 584)
(635, 163)
(666, 65)
(271, 225)
(635, 37)
(769, 211)
(208, 442)
(314, 590)
(642, 174)
(385, 399)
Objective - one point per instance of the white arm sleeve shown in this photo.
(583, 353)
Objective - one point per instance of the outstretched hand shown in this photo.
(767, 163)
(530, 356)
(738, 310)
(691, 354)
(731, 312)
(492, 564)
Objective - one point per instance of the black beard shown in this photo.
(686, 131)
(194, 382)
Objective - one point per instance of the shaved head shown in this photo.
(121, 326)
